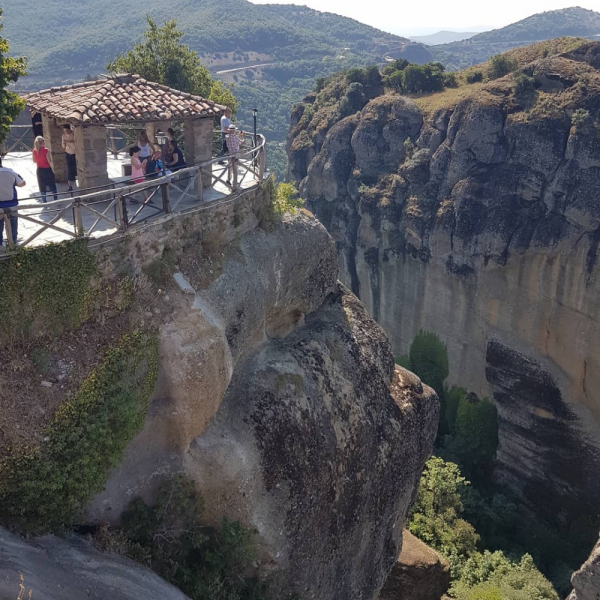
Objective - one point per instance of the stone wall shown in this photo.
(219, 221)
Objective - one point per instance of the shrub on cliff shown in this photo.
(436, 514)
(43, 488)
(475, 435)
(500, 65)
(474, 77)
(45, 290)
(437, 518)
(524, 89)
(423, 78)
(169, 536)
(428, 359)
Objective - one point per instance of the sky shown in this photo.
(419, 18)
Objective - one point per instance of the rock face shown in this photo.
(529, 400)
(586, 581)
(465, 215)
(279, 395)
(70, 569)
(419, 574)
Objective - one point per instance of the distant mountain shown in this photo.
(272, 53)
(575, 22)
(79, 37)
(443, 37)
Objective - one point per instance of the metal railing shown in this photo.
(120, 206)
(20, 139)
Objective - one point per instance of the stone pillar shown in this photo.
(154, 127)
(90, 146)
(198, 134)
(53, 138)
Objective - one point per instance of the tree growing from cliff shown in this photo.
(428, 358)
(161, 57)
(10, 71)
(437, 518)
(474, 440)
(500, 65)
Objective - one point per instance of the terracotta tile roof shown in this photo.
(119, 99)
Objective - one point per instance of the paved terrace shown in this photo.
(101, 213)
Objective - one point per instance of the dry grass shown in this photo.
(452, 96)
(27, 405)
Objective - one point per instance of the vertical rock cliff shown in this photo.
(280, 397)
(474, 213)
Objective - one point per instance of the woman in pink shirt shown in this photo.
(45, 174)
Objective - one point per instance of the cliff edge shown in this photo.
(474, 213)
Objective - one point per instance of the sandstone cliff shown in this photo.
(279, 396)
(586, 581)
(276, 393)
(474, 213)
(70, 569)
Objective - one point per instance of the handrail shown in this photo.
(111, 186)
(99, 203)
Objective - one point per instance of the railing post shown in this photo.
(164, 190)
(79, 232)
(261, 164)
(122, 208)
(234, 179)
(7, 228)
(199, 184)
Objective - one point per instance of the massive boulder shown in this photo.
(419, 574)
(280, 397)
(486, 226)
(586, 581)
(71, 569)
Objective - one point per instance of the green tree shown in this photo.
(223, 94)
(475, 440)
(423, 78)
(10, 71)
(428, 358)
(500, 65)
(161, 57)
(436, 514)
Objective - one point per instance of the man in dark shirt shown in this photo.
(9, 182)
(36, 124)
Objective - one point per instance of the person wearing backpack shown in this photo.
(9, 182)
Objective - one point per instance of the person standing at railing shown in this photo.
(234, 142)
(68, 144)
(36, 124)
(9, 182)
(137, 166)
(225, 124)
(147, 148)
(45, 174)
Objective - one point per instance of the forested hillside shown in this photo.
(68, 40)
(574, 21)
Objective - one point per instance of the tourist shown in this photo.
(169, 149)
(68, 144)
(45, 174)
(225, 124)
(146, 147)
(176, 161)
(36, 124)
(137, 165)
(9, 182)
(234, 141)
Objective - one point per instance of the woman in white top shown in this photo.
(146, 147)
